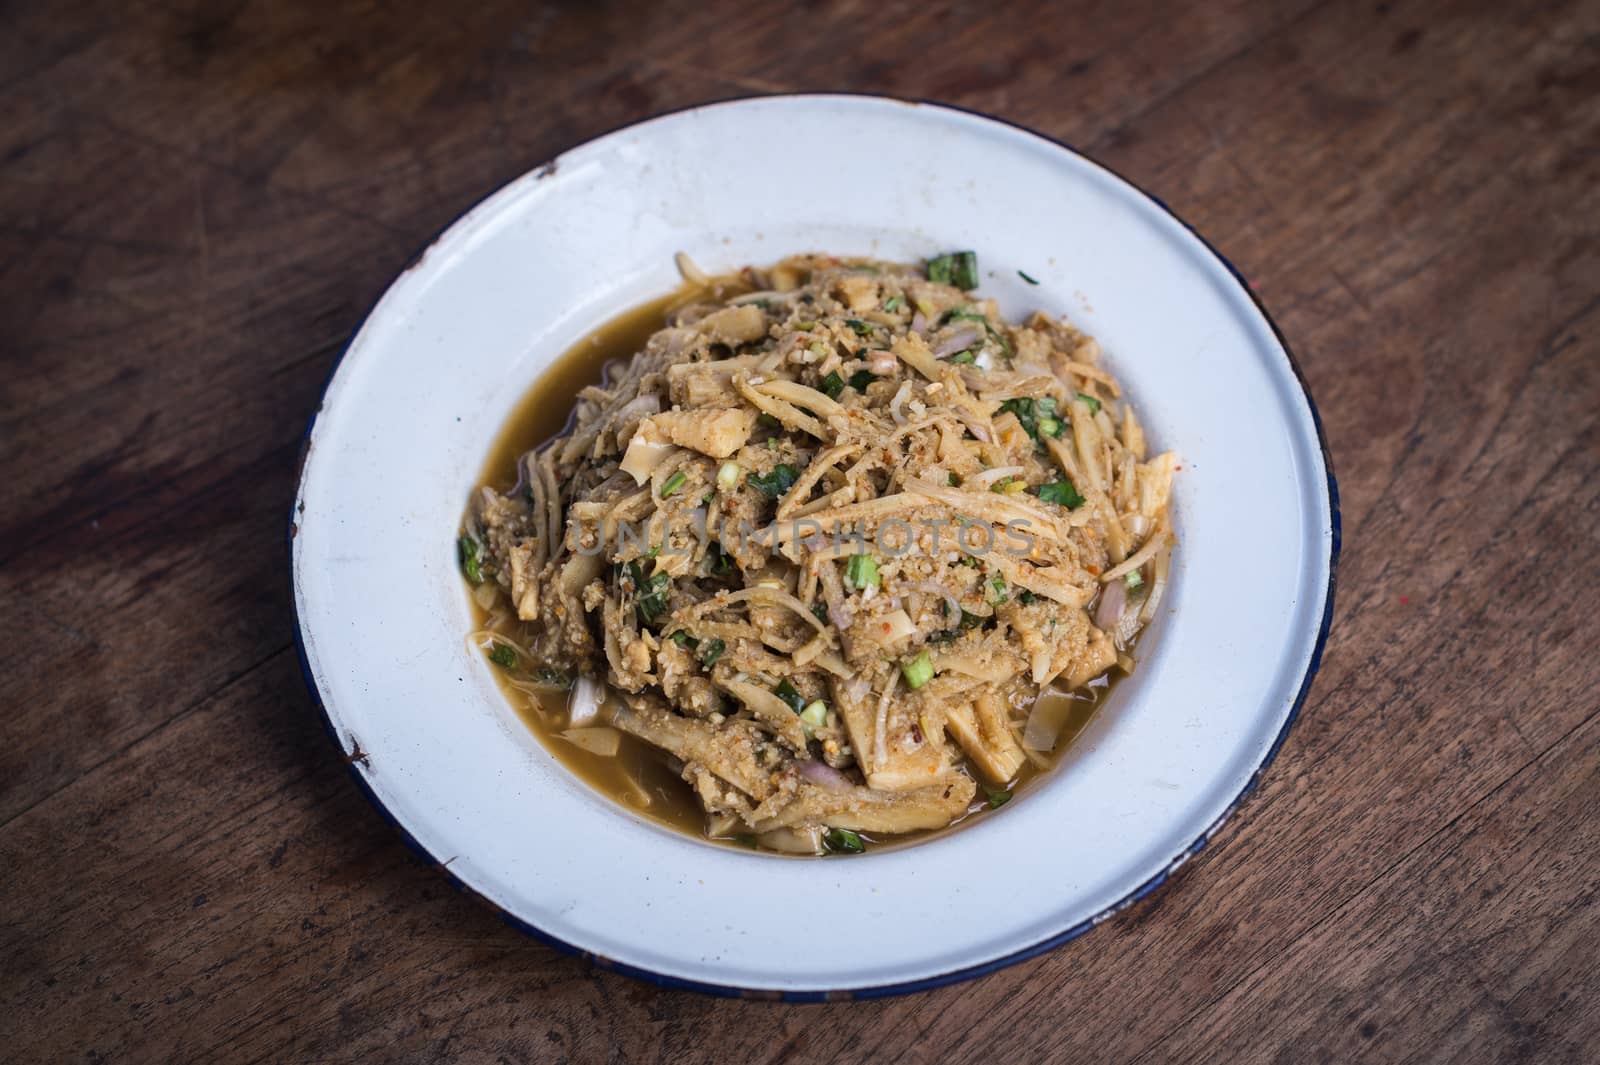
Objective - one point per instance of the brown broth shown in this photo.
(639, 776)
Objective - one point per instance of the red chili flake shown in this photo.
(1404, 600)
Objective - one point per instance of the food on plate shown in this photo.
(836, 546)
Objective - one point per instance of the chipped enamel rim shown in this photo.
(1322, 515)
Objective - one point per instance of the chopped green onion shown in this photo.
(1134, 580)
(774, 484)
(1026, 278)
(683, 639)
(728, 476)
(963, 358)
(1061, 493)
(711, 652)
(1049, 427)
(958, 268)
(503, 656)
(832, 385)
(843, 841)
(997, 797)
(893, 303)
(862, 572)
(1093, 404)
(917, 671)
(470, 564)
(1001, 484)
(863, 329)
(790, 695)
(995, 590)
(673, 483)
(815, 715)
(861, 379)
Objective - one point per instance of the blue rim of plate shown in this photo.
(952, 976)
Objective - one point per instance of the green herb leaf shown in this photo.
(470, 565)
(1134, 580)
(776, 483)
(683, 639)
(893, 303)
(861, 379)
(721, 561)
(832, 385)
(995, 590)
(963, 358)
(711, 652)
(652, 592)
(997, 797)
(1092, 403)
(1026, 414)
(673, 483)
(790, 695)
(863, 329)
(503, 656)
(843, 841)
(1061, 493)
(1026, 278)
(958, 268)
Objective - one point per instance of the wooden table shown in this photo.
(198, 204)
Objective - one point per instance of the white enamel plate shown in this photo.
(409, 416)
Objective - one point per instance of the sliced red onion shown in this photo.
(978, 432)
(1046, 720)
(1113, 600)
(583, 709)
(824, 775)
(918, 323)
(960, 340)
(841, 616)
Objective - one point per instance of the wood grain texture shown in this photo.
(198, 203)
